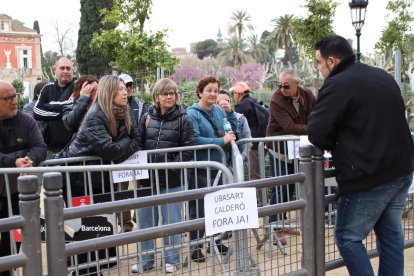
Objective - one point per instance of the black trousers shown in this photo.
(196, 207)
(5, 248)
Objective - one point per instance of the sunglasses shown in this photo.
(284, 86)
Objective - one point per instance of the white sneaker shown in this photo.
(170, 268)
(134, 268)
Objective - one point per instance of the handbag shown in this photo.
(63, 153)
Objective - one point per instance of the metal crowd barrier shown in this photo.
(306, 254)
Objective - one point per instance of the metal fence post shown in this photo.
(319, 196)
(29, 205)
(54, 224)
(306, 192)
(241, 247)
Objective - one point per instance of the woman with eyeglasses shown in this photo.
(243, 129)
(166, 125)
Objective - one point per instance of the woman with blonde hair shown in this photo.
(107, 130)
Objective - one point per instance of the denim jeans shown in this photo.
(282, 193)
(380, 209)
(148, 217)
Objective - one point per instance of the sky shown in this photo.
(195, 20)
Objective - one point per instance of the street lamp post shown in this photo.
(358, 10)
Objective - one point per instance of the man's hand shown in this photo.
(24, 162)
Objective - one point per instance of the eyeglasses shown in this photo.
(9, 99)
(284, 86)
(129, 84)
(166, 94)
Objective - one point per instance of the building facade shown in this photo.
(20, 53)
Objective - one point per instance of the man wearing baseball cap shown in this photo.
(138, 108)
(245, 106)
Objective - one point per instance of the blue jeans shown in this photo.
(148, 217)
(282, 193)
(380, 209)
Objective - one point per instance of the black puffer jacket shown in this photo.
(174, 129)
(93, 138)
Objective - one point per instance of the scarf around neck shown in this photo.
(119, 111)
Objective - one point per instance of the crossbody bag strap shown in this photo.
(209, 120)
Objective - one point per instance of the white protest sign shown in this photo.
(140, 157)
(230, 209)
(411, 189)
(293, 146)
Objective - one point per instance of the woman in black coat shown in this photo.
(166, 125)
(107, 130)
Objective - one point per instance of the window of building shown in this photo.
(4, 26)
(25, 58)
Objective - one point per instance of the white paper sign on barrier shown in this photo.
(411, 189)
(293, 146)
(230, 209)
(140, 157)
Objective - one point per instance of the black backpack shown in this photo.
(262, 115)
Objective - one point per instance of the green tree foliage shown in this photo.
(92, 61)
(18, 85)
(132, 50)
(398, 35)
(188, 95)
(316, 26)
(235, 52)
(207, 48)
(282, 36)
(258, 50)
(36, 27)
(49, 59)
(240, 23)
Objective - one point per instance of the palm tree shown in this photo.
(241, 22)
(282, 35)
(258, 50)
(235, 52)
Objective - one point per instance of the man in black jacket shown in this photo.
(359, 116)
(49, 107)
(21, 145)
(244, 105)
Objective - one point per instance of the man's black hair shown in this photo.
(334, 46)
